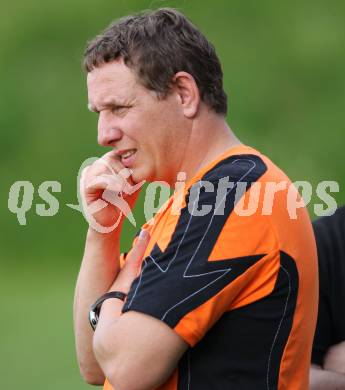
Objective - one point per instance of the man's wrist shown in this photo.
(94, 234)
(111, 311)
(106, 240)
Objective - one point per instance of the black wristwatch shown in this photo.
(96, 307)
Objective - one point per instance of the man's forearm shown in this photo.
(98, 270)
(321, 379)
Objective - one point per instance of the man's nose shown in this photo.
(108, 132)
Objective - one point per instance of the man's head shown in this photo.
(157, 70)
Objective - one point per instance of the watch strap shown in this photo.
(96, 307)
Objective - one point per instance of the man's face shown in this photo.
(148, 135)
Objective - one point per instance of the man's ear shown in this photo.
(188, 93)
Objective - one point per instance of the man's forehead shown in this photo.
(110, 93)
(113, 72)
(109, 84)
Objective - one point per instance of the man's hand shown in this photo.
(132, 265)
(107, 192)
(335, 358)
(321, 379)
(332, 375)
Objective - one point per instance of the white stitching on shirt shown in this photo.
(139, 281)
(188, 362)
(223, 271)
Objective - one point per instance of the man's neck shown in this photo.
(207, 143)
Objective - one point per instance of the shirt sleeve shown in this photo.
(329, 234)
(323, 332)
(184, 285)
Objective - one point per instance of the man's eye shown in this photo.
(119, 109)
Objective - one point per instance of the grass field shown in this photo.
(37, 346)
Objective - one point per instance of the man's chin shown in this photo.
(137, 177)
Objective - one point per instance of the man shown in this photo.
(214, 298)
(328, 354)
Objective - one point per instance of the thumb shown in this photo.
(135, 256)
(131, 268)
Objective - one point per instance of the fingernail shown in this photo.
(143, 234)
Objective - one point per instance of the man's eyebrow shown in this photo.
(113, 103)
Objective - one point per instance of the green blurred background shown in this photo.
(284, 73)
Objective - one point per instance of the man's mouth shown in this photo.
(127, 157)
(128, 153)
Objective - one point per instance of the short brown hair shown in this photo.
(158, 44)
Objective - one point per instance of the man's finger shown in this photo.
(131, 268)
(104, 181)
(113, 163)
(135, 256)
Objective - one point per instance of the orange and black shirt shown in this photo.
(330, 328)
(240, 288)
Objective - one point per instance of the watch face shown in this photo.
(93, 319)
